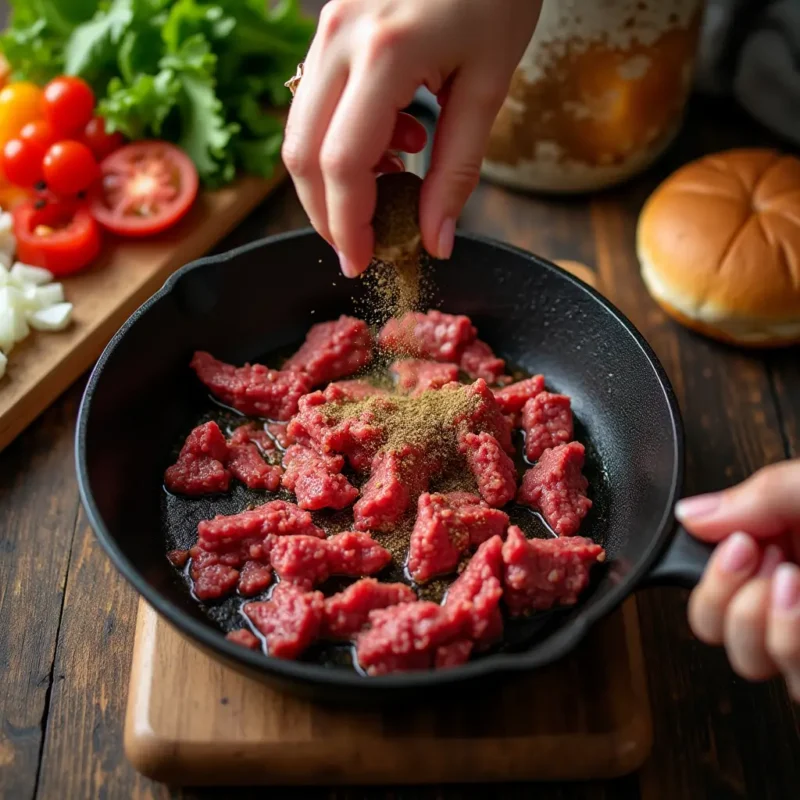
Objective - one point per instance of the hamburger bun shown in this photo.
(719, 247)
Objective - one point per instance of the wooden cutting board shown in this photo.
(127, 273)
(192, 721)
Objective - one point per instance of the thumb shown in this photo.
(471, 102)
(765, 505)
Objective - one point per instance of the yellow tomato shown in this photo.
(20, 103)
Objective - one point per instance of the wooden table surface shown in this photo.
(67, 618)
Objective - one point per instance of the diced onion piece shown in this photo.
(21, 329)
(48, 295)
(6, 222)
(53, 318)
(10, 298)
(22, 274)
(3, 363)
(4, 275)
(7, 324)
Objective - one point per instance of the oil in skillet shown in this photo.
(181, 515)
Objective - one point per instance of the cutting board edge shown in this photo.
(604, 756)
(29, 406)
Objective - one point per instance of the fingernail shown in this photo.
(695, 507)
(786, 588)
(773, 555)
(446, 237)
(348, 268)
(737, 553)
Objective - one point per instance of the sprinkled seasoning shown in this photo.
(396, 279)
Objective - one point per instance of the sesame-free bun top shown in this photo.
(719, 246)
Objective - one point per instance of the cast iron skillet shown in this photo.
(142, 398)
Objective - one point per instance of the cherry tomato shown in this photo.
(22, 156)
(102, 144)
(68, 105)
(40, 133)
(22, 162)
(69, 167)
(60, 236)
(146, 188)
(20, 103)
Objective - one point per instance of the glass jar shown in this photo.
(598, 95)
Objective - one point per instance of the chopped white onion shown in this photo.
(28, 296)
(52, 318)
(22, 274)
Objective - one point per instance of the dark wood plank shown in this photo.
(704, 716)
(82, 754)
(38, 506)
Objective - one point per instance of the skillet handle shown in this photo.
(682, 564)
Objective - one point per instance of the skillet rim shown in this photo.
(554, 647)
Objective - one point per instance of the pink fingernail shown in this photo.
(702, 505)
(773, 555)
(737, 553)
(786, 588)
(348, 268)
(446, 239)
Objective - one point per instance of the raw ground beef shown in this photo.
(474, 599)
(316, 479)
(416, 375)
(479, 361)
(254, 578)
(246, 463)
(406, 637)
(542, 573)
(276, 518)
(289, 621)
(453, 655)
(250, 432)
(398, 477)
(278, 432)
(547, 422)
(513, 397)
(178, 558)
(200, 468)
(492, 467)
(215, 581)
(333, 350)
(300, 560)
(245, 638)
(356, 553)
(207, 462)
(435, 335)
(358, 439)
(357, 389)
(447, 525)
(556, 487)
(347, 612)
(486, 415)
(253, 389)
(319, 435)
(307, 561)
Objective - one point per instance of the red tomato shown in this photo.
(146, 188)
(40, 133)
(68, 105)
(60, 236)
(22, 157)
(98, 141)
(69, 167)
(22, 162)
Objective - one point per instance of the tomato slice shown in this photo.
(145, 188)
(60, 236)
